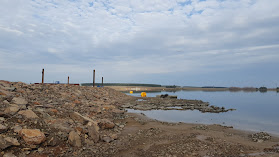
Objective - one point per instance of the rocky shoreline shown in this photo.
(61, 120)
(158, 103)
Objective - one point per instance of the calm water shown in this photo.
(255, 111)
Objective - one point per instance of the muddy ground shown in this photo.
(62, 120)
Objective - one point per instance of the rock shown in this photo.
(28, 114)
(17, 128)
(13, 141)
(93, 133)
(12, 109)
(74, 139)
(80, 118)
(53, 141)
(3, 128)
(107, 139)
(118, 111)
(32, 136)
(11, 89)
(40, 149)
(2, 93)
(19, 101)
(3, 143)
(89, 142)
(61, 125)
(6, 102)
(7, 142)
(114, 136)
(9, 154)
(260, 137)
(106, 124)
(3, 114)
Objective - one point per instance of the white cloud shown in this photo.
(139, 36)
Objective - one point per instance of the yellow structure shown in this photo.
(143, 94)
(131, 92)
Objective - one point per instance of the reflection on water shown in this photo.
(254, 110)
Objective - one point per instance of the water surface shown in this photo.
(255, 111)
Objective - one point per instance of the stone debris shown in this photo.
(9, 154)
(35, 117)
(28, 114)
(19, 101)
(260, 137)
(32, 136)
(106, 124)
(6, 142)
(201, 127)
(171, 104)
(12, 109)
(273, 149)
(3, 128)
(74, 139)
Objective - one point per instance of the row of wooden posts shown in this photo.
(43, 75)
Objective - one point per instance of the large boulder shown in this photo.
(32, 136)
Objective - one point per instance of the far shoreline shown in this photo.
(158, 89)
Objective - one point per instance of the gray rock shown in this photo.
(11, 89)
(107, 139)
(80, 118)
(9, 154)
(74, 139)
(12, 109)
(28, 114)
(3, 128)
(106, 124)
(19, 101)
(93, 134)
(11, 140)
(7, 142)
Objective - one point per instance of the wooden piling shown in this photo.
(94, 78)
(43, 75)
(102, 81)
(68, 80)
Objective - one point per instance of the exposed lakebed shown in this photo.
(254, 110)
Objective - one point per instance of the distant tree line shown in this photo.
(121, 84)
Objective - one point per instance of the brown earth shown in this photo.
(61, 120)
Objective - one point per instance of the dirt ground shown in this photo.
(147, 137)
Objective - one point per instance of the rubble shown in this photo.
(260, 137)
(159, 103)
(32, 136)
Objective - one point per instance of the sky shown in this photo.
(169, 42)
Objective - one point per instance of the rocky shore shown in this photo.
(62, 120)
(158, 103)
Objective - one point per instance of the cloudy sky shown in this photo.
(181, 42)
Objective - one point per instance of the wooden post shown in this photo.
(94, 78)
(102, 81)
(43, 75)
(68, 80)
